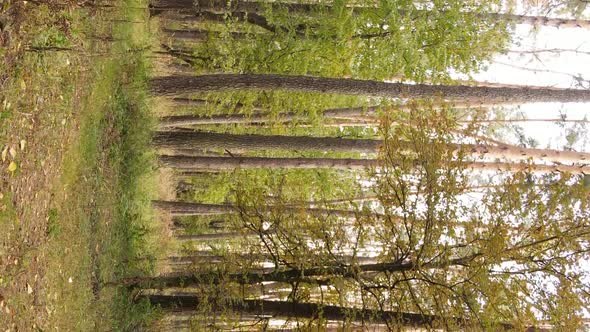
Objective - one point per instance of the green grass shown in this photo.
(108, 227)
(98, 226)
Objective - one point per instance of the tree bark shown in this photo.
(337, 113)
(197, 34)
(287, 309)
(189, 102)
(241, 143)
(231, 163)
(231, 142)
(210, 236)
(173, 85)
(200, 209)
(188, 7)
(221, 6)
(290, 275)
(357, 117)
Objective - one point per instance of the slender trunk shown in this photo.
(172, 85)
(557, 120)
(231, 163)
(197, 34)
(219, 258)
(549, 50)
(287, 309)
(240, 143)
(362, 117)
(190, 173)
(200, 209)
(537, 20)
(188, 7)
(206, 140)
(221, 6)
(190, 102)
(337, 113)
(185, 260)
(210, 236)
(289, 275)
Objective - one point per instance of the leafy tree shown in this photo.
(352, 39)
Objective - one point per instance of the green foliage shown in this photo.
(497, 263)
(396, 38)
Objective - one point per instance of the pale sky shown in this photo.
(547, 69)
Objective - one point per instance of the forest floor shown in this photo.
(76, 172)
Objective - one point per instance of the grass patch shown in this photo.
(97, 226)
(107, 230)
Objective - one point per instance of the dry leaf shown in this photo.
(12, 166)
(12, 152)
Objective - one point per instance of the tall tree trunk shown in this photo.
(231, 163)
(290, 275)
(187, 7)
(221, 6)
(240, 143)
(200, 209)
(366, 117)
(287, 309)
(211, 236)
(191, 102)
(173, 85)
(337, 113)
(197, 34)
(231, 142)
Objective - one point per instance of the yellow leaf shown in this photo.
(4, 153)
(23, 85)
(12, 166)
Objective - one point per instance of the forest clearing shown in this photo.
(207, 165)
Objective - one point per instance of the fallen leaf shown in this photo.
(12, 152)
(29, 289)
(23, 143)
(23, 85)
(12, 166)
(4, 153)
